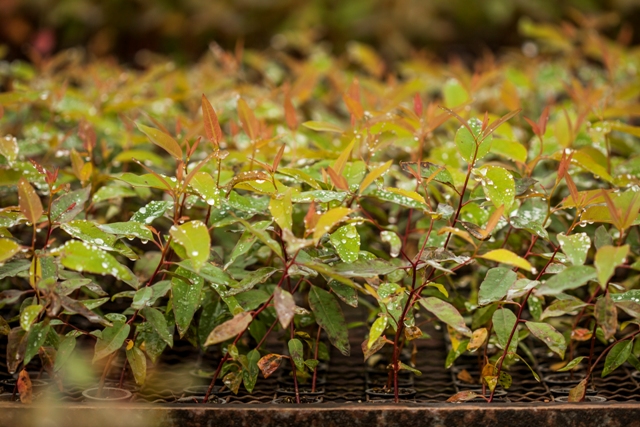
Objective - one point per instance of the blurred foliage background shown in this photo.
(184, 29)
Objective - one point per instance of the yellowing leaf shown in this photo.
(505, 256)
(282, 210)
(328, 220)
(373, 175)
(211, 124)
(162, 140)
(248, 119)
(322, 126)
(8, 248)
(30, 204)
(229, 329)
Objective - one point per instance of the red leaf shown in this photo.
(269, 363)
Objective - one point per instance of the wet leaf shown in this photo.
(8, 248)
(548, 335)
(496, 284)
(346, 241)
(285, 306)
(185, 296)
(505, 256)
(193, 236)
(374, 174)
(153, 210)
(88, 258)
(329, 316)
(467, 143)
(128, 229)
(159, 324)
(446, 313)
(569, 278)
(498, 185)
(269, 363)
(328, 220)
(229, 329)
(16, 347)
(562, 307)
(575, 247)
(29, 315)
(395, 244)
(282, 210)
(204, 186)
(607, 259)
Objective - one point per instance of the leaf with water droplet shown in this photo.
(159, 324)
(328, 220)
(80, 256)
(151, 211)
(346, 241)
(285, 306)
(496, 284)
(392, 238)
(575, 247)
(8, 248)
(467, 142)
(193, 236)
(30, 204)
(569, 278)
(128, 229)
(185, 297)
(377, 329)
(69, 205)
(205, 186)
(548, 335)
(446, 313)
(498, 185)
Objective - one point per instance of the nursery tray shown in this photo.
(344, 402)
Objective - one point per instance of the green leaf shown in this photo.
(111, 340)
(35, 340)
(504, 321)
(447, 313)
(408, 199)
(153, 210)
(575, 362)
(362, 268)
(467, 142)
(193, 236)
(8, 248)
(377, 330)
(13, 268)
(346, 241)
(128, 229)
(496, 284)
(606, 315)
(263, 236)
(138, 363)
(109, 192)
(253, 278)
(29, 315)
(204, 186)
(329, 316)
(83, 257)
(512, 150)
(569, 278)
(505, 256)
(160, 182)
(498, 185)
(229, 329)
(185, 297)
(618, 354)
(393, 240)
(159, 324)
(346, 293)
(282, 210)
(561, 307)
(296, 351)
(550, 336)
(250, 372)
(575, 247)
(162, 140)
(69, 205)
(607, 259)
